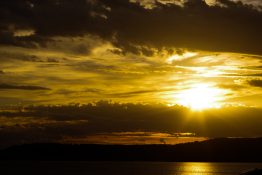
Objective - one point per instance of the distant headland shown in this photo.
(214, 150)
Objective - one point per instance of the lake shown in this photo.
(125, 168)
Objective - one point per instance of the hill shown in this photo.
(214, 150)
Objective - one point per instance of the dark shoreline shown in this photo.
(214, 150)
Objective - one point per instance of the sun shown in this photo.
(200, 96)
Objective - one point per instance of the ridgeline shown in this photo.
(214, 150)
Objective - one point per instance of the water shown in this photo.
(125, 168)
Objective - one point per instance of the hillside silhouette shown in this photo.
(214, 150)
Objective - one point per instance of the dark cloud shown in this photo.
(1, 72)
(139, 92)
(87, 90)
(242, 75)
(48, 18)
(234, 87)
(6, 56)
(22, 87)
(53, 123)
(256, 83)
(6, 101)
(35, 41)
(232, 26)
(255, 75)
(195, 26)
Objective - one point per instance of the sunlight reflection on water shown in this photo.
(125, 168)
(195, 169)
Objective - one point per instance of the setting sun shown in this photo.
(200, 96)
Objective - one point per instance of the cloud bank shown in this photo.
(93, 123)
(230, 26)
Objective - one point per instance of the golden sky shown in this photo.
(66, 76)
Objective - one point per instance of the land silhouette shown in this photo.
(214, 150)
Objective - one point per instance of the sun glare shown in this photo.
(200, 96)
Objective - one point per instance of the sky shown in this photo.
(199, 60)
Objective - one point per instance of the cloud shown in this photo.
(135, 93)
(6, 101)
(195, 26)
(256, 83)
(235, 87)
(22, 87)
(29, 121)
(152, 3)
(135, 138)
(256, 3)
(232, 26)
(55, 123)
(93, 66)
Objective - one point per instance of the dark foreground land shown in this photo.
(215, 150)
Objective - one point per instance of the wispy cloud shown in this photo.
(256, 83)
(22, 87)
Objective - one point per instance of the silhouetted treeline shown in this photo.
(215, 150)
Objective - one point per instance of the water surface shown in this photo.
(126, 168)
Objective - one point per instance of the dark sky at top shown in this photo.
(228, 26)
